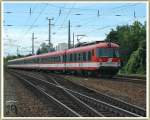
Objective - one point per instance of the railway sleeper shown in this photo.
(124, 105)
(64, 108)
(102, 105)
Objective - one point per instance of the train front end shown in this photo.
(109, 59)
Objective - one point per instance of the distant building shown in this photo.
(61, 46)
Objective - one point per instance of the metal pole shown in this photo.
(69, 39)
(32, 43)
(49, 38)
(49, 35)
(17, 51)
(73, 39)
(80, 38)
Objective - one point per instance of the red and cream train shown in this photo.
(99, 59)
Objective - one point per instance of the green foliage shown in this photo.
(136, 62)
(132, 41)
(45, 49)
(11, 58)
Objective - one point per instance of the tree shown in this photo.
(11, 57)
(45, 49)
(132, 41)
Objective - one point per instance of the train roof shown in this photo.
(90, 47)
(78, 49)
(40, 55)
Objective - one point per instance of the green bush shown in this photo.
(136, 62)
(132, 41)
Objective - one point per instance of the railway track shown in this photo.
(36, 88)
(100, 96)
(97, 95)
(93, 103)
(133, 76)
(70, 103)
(132, 79)
(122, 78)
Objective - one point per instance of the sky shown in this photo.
(94, 20)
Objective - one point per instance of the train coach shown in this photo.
(96, 59)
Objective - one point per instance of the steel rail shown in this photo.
(89, 110)
(85, 98)
(124, 78)
(99, 104)
(103, 97)
(106, 98)
(66, 90)
(68, 111)
(130, 79)
(118, 102)
(133, 76)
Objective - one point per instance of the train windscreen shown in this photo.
(107, 52)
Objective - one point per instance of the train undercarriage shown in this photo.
(102, 72)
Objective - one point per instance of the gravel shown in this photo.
(127, 91)
(28, 104)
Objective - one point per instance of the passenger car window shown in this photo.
(89, 55)
(107, 52)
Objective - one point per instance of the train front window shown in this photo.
(107, 52)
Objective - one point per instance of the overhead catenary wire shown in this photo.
(31, 26)
(107, 26)
(61, 13)
(67, 15)
(37, 17)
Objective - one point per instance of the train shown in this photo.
(98, 59)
